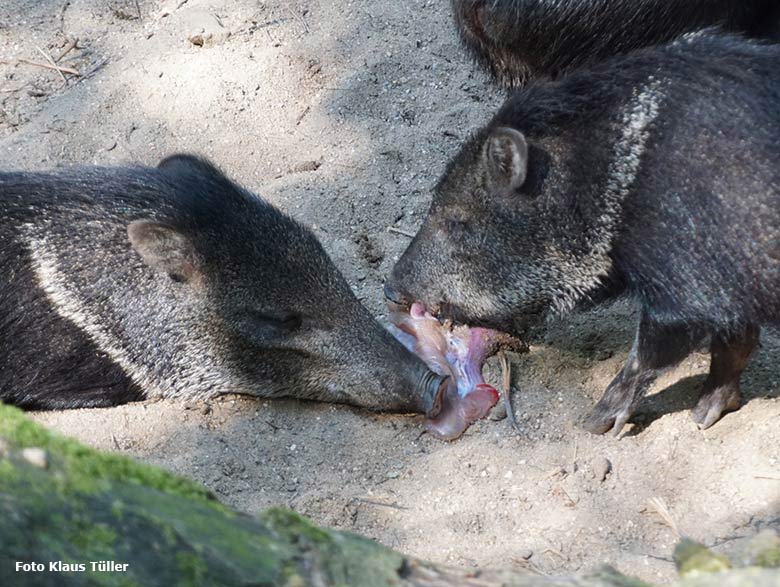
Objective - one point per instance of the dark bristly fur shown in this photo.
(516, 40)
(123, 283)
(658, 171)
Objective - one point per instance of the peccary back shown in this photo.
(516, 40)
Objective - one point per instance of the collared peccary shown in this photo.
(519, 39)
(122, 283)
(658, 173)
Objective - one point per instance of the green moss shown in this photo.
(98, 579)
(118, 509)
(87, 506)
(693, 558)
(21, 431)
(86, 470)
(87, 536)
(345, 558)
(769, 559)
(750, 577)
(7, 470)
(763, 550)
(192, 568)
(289, 523)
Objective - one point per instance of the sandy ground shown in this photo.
(344, 114)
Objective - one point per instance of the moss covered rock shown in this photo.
(65, 503)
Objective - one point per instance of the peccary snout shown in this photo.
(367, 367)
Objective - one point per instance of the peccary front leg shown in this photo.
(730, 355)
(656, 347)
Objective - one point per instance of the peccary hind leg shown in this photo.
(730, 355)
(656, 347)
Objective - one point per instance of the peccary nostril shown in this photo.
(395, 296)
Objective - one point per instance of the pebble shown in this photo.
(601, 468)
(489, 471)
(498, 412)
(525, 553)
(305, 166)
(393, 475)
(36, 457)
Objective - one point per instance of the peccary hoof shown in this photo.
(714, 404)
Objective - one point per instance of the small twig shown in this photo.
(302, 115)
(94, 70)
(298, 17)
(72, 43)
(674, 447)
(62, 16)
(48, 58)
(659, 505)
(274, 42)
(557, 553)
(556, 471)
(574, 456)
(569, 497)
(769, 477)
(665, 559)
(138, 9)
(395, 230)
(116, 442)
(395, 506)
(506, 390)
(724, 540)
(47, 66)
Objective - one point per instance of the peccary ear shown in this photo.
(163, 248)
(506, 157)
